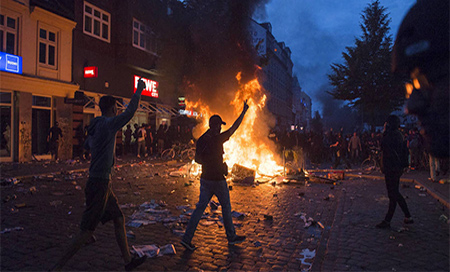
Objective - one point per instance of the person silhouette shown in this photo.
(421, 52)
(101, 203)
(209, 153)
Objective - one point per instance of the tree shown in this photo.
(364, 79)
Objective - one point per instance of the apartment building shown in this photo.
(63, 55)
(35, 77)
(277, 70)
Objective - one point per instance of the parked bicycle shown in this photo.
(372, 163)
(179, 151)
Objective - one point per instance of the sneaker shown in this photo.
(236, 240)
(135, 262)
(188, 245)
(408, 220)
(383, 225)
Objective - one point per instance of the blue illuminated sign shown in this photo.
(10, 63)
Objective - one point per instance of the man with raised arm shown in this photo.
(101, 203)
(209, 153)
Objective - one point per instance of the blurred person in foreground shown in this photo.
(421, 51)
(101, 203)
(209, 153)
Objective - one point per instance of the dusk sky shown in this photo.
(317, 32)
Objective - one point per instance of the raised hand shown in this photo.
(141, 84)
(246, 105)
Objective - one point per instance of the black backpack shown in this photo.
(200, 149)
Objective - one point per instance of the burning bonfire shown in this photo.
(249, 148)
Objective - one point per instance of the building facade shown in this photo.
(277, 67)
(32, 96)
(115, 44)
(301, 106)
(66, 54)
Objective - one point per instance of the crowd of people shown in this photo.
(350, 149)
(144, 141)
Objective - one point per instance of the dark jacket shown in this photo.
(210, 149)
(102, 139)
(392, 147)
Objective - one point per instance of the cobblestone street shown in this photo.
(341, 237)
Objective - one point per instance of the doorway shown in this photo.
(41, 119)
(5, 126)
(39, 132)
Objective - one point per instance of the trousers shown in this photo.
(392, 185)
(208, 188)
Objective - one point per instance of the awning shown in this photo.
(122, 103)
(149, 108)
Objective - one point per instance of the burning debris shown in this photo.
(242, 174)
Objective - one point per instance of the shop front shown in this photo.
(30, 106)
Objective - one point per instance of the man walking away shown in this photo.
(394, 160)
(101, 203)
(209, 153)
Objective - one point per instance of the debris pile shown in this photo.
(242, 174)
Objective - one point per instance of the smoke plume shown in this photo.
(207, 44)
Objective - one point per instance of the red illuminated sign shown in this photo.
(150, 87)
(90, 71)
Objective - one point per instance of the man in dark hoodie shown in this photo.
(394, 151)
(101, 203)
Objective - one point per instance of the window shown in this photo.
(42, 101)
(47, 48)
(5, 98)
(96, 22)
(143, 37)
(8, 34)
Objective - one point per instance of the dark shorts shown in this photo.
(101, 204)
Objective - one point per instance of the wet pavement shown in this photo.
(289, 227)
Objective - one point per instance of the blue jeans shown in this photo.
(208, 188)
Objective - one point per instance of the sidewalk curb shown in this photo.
(434, 194)
(430, 191)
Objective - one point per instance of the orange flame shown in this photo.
(249, 146)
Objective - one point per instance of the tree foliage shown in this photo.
(364, 78)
